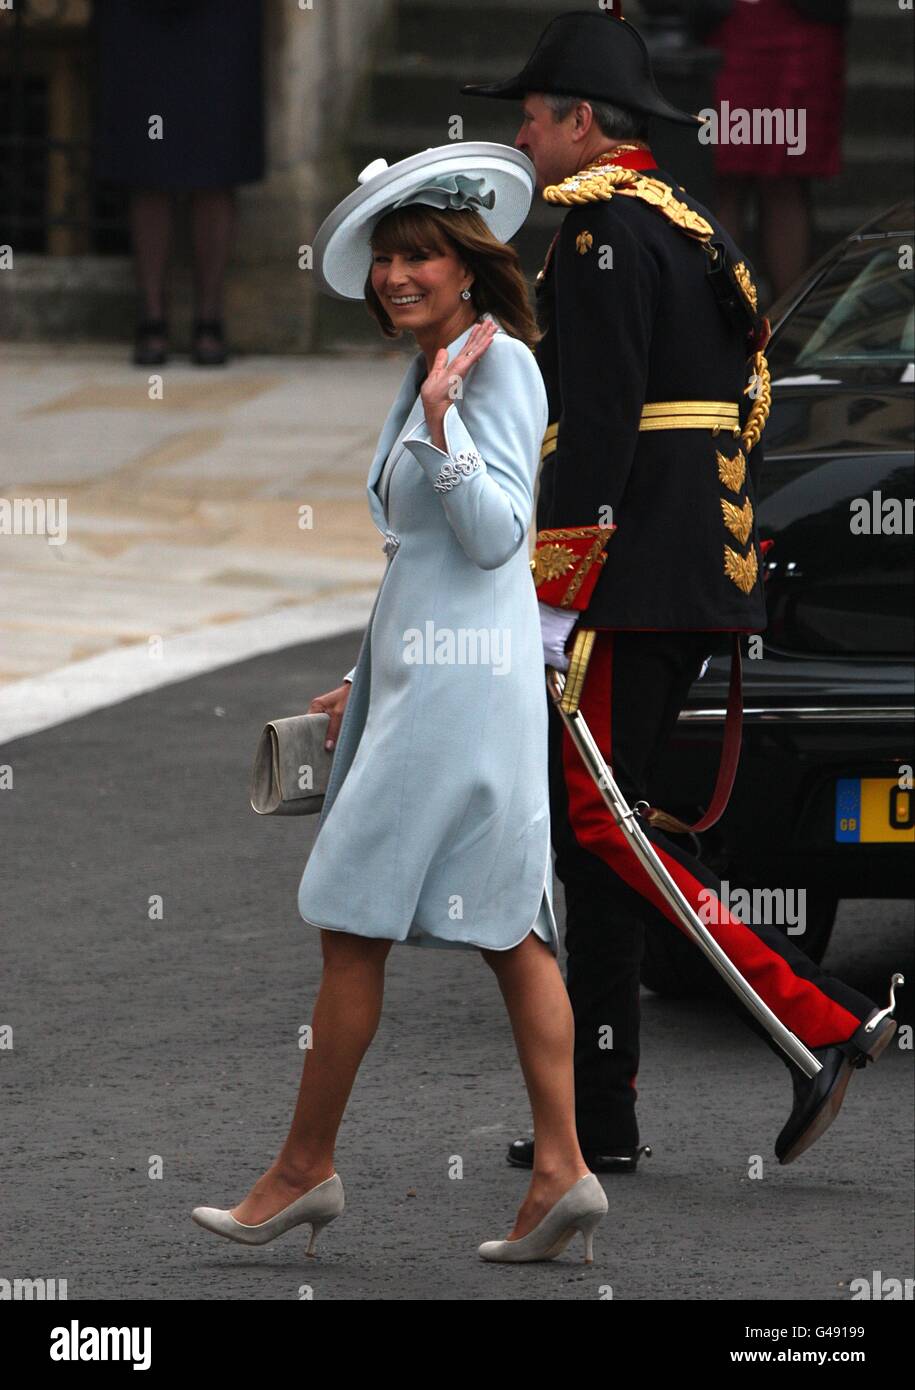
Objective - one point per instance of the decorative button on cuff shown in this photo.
(391, 543)
(452, 472)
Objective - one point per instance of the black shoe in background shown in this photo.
(212, 356)
(151, 343)
(521, 1155)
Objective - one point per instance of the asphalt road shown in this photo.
(137, 1038)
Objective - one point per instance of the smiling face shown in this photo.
(418, 277)
(423, 257)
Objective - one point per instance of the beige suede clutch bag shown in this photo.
(291, 766)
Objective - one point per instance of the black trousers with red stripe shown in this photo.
(636, 685)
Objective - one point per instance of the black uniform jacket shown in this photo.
(630, 319)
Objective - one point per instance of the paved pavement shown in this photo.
(177, 515)
(139, 1041)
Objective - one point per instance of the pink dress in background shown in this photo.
(775, 58)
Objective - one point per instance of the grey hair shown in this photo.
(616, 122)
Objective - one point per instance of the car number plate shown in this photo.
(873, 810)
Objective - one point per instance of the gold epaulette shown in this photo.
(597, 183)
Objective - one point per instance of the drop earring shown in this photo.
(465, 294)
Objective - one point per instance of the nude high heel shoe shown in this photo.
(579, 1209)
(319, 1206)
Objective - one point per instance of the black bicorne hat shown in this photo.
(591, 55)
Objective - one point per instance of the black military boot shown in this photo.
(521, 1155)
(818, 1099)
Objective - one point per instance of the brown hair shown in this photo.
(499, 287)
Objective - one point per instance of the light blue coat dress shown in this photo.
(435, 827)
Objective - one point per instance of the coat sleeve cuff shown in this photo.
(566, 564)
(446, 468)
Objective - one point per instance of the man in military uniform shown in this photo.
(647, 547)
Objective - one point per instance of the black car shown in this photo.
(823, 799)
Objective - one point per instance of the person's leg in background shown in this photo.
(732, 193)
(785, 229)
(150, 218)
(213, 221)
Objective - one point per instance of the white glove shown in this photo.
(555, 626)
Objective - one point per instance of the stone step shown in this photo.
(511, 28)
(893, 70)
(881, 100)
(854, 193)
(865, 177)
(347, 327)
(432, 86)
(838, 221)
(878, 31)
(881, 32)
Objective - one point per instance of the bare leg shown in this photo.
(785, 215)
(345, 1019)
(541, 1018)
(212, 233)
(150, 216)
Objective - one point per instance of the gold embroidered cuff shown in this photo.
(567, 561)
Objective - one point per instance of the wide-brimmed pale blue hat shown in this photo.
(497, 181)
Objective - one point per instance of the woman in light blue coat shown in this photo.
(435, 826)
(439, 791)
